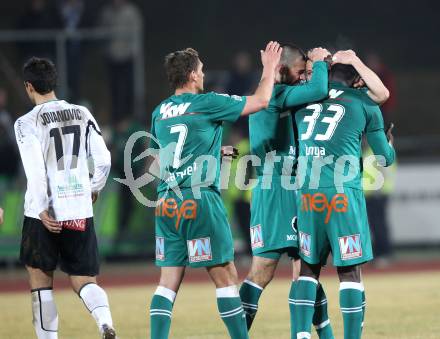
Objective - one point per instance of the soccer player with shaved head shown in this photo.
(273, 207)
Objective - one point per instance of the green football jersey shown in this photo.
(330, 136)
(188, 132)
(271, 129)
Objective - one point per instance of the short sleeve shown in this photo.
(222, 107)
(374, 117)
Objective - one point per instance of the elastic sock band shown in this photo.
(351, 285)
(253, 284)
(227, 292)
(166, 293)
(313, 280)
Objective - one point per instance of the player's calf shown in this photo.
(45, 315)
(228, 299)
(261, 273)
(96, 301)
(351, 300)
(44, 310)
(302, 302)
(162, 303)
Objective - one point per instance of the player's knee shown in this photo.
(349, 273)
(39, 278)
(171, 279)
(78, 282)
(262, 271)
(296, 269)
(308, 270)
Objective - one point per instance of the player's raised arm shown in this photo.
(1, 215)
(270, 58)
(99, 153)
(317, 87)
(376, 137)
(376, 88)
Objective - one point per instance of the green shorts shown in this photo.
(329, 221)
(192, 232)
(273, 222)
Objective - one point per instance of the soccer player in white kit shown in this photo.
(56, 140)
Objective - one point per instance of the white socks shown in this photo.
(96, 301)
(45, 315)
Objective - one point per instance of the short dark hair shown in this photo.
(41, 74)
(179, 65)
(343, 73)
(290, 54)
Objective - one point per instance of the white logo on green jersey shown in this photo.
(170, 111)
(334, 93)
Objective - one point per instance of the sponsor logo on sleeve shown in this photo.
(350, 247)
(199, 250)
(160, 248)
(256, 237)
(304, 243)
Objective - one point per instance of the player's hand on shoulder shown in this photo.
(270, 57)
(390, 135)
(50, 223)
(318, 54)
(347, 57)
(229, 151)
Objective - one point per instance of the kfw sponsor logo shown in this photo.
(199, 249)
(256, 237)
(160, 248)
(304, 243)
(350, 246)
(169, 110)
(318, 202)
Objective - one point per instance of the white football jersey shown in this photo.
(56, 140)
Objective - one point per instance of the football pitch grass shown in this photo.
(403, 305)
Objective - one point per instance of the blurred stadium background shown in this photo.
(109, 56)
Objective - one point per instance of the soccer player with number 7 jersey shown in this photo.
(332, 214)
(191, 224)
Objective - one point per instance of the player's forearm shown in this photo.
(316, 89)
(381, 147)
(260, 100)
(376, 88)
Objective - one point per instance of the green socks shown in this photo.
(292, 309)
(250, 294)
(364, 304)
(350, 300)
(160, 312)
(231, 312)
(303, 301)
(320, 318)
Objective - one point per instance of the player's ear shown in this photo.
(193, 76)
